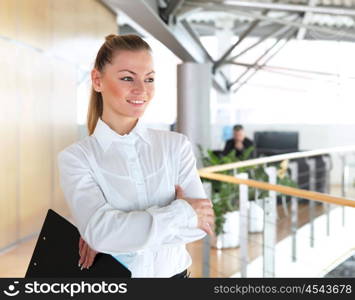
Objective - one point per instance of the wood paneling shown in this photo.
(8, 148)
(35, 172)
(64, 26)
(104, 26)
(8, 18)
(34, 23)
(90, 20)
(65, 129)
(43, 45)
(87, 44)
(79, 29)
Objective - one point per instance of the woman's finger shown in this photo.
(208, 224)
(207, 211)
(204, 203)
(83, 254)
(82, 247)
(207, 229)
(211, 230)
(210, 213)
(87, 254)
(90, 258)
(179, 192)
(81, 243)
(82, 250)
(87, 257)
(92, 254)
(210, 220)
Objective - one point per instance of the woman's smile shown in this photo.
(136, 103)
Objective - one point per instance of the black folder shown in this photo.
(57, 254)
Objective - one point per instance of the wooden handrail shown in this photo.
(280, 188)
(275, 158)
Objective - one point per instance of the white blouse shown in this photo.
(121, 193)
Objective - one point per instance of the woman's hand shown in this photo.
(87, 255)
(203, 209)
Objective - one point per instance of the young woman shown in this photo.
(134, 192)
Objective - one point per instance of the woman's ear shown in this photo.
(96, 80)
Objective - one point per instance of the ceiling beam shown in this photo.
(242, 36)
(253, 16)
(241, 82)
(169, 13)
(196, 37)
(288, 70)
(275, 33)
(291, 7)
(306, 17)
(145, 15)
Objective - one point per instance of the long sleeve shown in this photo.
(190, 182)
(109, 230)
(188, 177)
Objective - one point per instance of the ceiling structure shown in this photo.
(179, 25)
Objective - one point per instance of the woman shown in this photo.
(134, 192)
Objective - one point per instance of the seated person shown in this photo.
(239, 142)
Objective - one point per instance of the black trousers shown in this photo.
(183, 274)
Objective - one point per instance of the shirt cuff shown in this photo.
(190, 214)
(179, 214)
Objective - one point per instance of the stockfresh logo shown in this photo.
(11, 290)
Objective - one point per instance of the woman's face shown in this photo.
(127, 84)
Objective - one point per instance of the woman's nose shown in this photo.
(138, 87)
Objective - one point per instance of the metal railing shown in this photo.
(270, 208)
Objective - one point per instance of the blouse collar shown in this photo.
(106, 136)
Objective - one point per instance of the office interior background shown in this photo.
(282, 69)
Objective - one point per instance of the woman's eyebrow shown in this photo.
(126, 70)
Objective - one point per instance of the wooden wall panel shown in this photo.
(8, 18)
(79, 28)
(35, 145)
(65, 129)
(34, 23)
(87, 44)
(64, 20)
(104, 26)
(8, 148)
(44, 44)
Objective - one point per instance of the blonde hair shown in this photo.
(112, 44)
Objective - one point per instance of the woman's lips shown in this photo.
(136, 102)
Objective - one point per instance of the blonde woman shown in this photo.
(133, 192)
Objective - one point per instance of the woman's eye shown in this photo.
(127, 78)
(150, 79)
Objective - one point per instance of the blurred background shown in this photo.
(284, 70)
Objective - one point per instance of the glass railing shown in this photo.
(298, 222)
